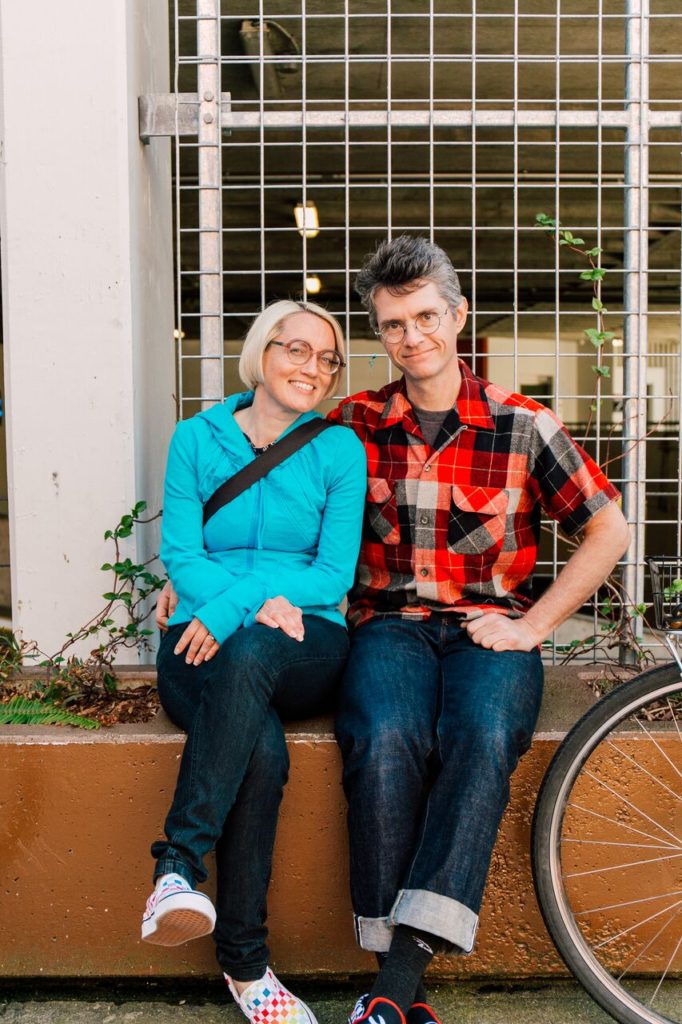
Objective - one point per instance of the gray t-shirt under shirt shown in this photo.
(430, 423)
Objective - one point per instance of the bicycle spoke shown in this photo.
(648, 945)
(629, 903)
(621, 867)
(636, 809)
(621, 824)
(658, 747)
(612, 842)
(667, 968)
(646, 771)
(640, 924)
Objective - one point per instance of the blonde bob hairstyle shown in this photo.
(265, 329)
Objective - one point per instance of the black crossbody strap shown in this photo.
(261, 466)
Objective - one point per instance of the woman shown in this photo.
(256, 636)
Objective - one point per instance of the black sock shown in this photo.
(420, 995)
(402, 967)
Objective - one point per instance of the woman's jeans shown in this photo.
(431, 727)
(235, 764)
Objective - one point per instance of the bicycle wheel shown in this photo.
(607, 849)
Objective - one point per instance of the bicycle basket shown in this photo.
(666, 586)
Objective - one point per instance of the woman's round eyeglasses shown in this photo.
(299, 352)
(393, 331)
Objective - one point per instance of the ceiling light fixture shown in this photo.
(313, 284)
(307, 219)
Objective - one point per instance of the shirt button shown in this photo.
(427, 469)
(424, 572)
(423, 520)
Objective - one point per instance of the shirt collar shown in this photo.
(472, 403)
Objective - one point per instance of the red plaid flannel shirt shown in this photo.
(456, 527)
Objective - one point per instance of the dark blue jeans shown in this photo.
(431, 727)
(235, 764)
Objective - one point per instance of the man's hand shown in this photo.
(500, 633)
(166, 604)
(278, 613)
(200, 644)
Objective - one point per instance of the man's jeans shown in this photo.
(431, 727)
(235, 764)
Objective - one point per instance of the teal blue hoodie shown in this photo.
(295, 533)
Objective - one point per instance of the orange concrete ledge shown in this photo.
(78, 811)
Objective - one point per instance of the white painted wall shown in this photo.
(85, 218)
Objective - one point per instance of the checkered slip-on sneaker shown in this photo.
(421, 1013)
(176, 913)
(379, 1011)
(267, 1001)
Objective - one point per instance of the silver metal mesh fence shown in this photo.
(462, 125)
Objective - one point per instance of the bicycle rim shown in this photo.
(607, 850)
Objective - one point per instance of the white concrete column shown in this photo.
(85, 218)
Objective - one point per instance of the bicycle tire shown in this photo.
(555, 846)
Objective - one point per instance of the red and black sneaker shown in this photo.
(379, 1011)
(421, 1013)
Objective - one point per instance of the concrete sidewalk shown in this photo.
(557, 1002)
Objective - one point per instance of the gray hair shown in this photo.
(402, 264)
(267, 326)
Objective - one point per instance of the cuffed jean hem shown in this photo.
(438, 915)
(174, 866)
(373, 933)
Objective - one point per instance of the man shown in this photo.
(443, 684)
(444, 680)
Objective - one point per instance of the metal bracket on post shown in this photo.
(170, 114)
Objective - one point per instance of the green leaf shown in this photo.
(544, 221)
(595, 274)
(594, 335)
(124, 531)
(602, 371)
(108, 534)
(598, 305)
(578, 241)
(110, 595)
(594, 252)
(140, 506)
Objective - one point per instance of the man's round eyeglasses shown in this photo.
(393, 331)
(299, 352)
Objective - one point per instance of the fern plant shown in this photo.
(22, 711)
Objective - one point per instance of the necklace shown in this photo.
(254, 448)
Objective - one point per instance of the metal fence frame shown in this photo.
(209, 116)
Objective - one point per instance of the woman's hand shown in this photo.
(166, 604)
(201, 645)
(278, 613)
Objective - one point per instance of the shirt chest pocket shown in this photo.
(381, 512)
(478, 518)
